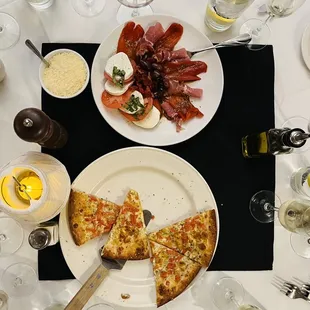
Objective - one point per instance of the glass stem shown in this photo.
(234, 301)
(135, 11)
(269, 207)
(1, 29)
(259, 29)
(89, 2)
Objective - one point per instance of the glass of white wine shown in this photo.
(88, 8)
(228, 294)
(260, 30)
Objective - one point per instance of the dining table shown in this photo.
(21, 89)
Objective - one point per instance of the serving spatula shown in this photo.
(97, 277)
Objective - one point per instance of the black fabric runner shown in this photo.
(247, 106)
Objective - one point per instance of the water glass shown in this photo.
(300, 181)
(41, 4)
(221, 14)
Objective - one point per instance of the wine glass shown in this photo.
(55, 307)
(130, 9)
(19, 280)
(228, 294)
(259, 29)
(11, 236)
(101, 307)
(88, 8)
(9, 31)
(3, 300)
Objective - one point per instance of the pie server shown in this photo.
(91, 285)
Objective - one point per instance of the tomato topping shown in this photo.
(115, 102)
(148, 104)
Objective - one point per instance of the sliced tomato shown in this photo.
(148, 102)
(115, 102)
(157, 105)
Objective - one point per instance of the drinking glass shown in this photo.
(130, 9)
(9, 31)
(55, 307)
(265, 203)
(3, 301)
(221, 14)
(11, 236)
(19, 280)
(228, 294)
(300, 181)
(88, 8)
(40, 4)
(101, 307)
(259, 28)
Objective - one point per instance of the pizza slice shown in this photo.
(194, 237)
(90, 216)
(128, 239)
(173, 272)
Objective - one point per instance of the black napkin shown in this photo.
(247, 106)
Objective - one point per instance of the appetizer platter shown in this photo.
(148, 88)
(104, 217)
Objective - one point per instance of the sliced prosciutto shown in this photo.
(171, 37)
(152, 35)
(176, 87)
(183, 107)
(166, 55)
(129, 39)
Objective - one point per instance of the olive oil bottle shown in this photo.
(273, 142)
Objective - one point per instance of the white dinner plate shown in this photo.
(305, 46)
(168, 186)
(164, 133)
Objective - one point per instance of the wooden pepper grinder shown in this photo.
(33, 125)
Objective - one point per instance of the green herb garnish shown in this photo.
(134, 104)
(118, 76)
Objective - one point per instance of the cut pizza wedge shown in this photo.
(173, 272)
(194, 237)
(128, 239)
(90, 216)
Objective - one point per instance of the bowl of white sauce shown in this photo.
(67, 76)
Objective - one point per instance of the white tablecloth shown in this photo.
(21, 89)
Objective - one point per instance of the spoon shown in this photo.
(31, 46)
(240, 40)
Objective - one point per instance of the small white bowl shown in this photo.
(42, 67)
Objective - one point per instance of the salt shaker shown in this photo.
(2, 71)
(33, 125)
(46, 234)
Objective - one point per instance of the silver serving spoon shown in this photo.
(240, 40)
(31, 46)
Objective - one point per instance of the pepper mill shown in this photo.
(33, 125)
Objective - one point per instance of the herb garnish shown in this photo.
(118, 76)
(134, 104)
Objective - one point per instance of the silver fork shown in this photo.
(289, 289)
(304, 287)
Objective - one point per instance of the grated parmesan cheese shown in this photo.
(66, 74)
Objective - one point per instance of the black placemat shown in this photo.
(247, 106)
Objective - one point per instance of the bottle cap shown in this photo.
(295, 138)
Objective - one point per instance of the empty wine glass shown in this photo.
(3, 300)
(11, 236)
(130, 9)
(19, 280)
(259, 28)
(9, 31)
(88, 8)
